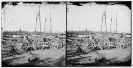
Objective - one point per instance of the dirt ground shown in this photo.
(48, 57)
(33, 50)
(101, 58)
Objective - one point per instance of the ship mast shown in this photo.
(116, 21)
(111, 21)
(102, 21)
(50, 22)
(105, 19)
(38, 16)
(39, 19)
(36, 21)
(45, 21)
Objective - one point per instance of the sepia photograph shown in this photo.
(66, 33)
(33, 34)
(99, 33)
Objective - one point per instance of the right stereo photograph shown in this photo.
(99, 34)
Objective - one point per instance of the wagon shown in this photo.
(87, 45)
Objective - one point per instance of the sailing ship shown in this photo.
(104, 22)
(38, 21)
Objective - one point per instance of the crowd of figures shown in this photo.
(16, 45)
(99, 42)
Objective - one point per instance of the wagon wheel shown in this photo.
(128, 44)
(24, 46)
(107, 45)
(54, 45)
(120, 44)
(73, 47)
(100, 44)
(33, 45)
(91, 46)
(116, 44)
(45, 45)
(84, 48)
(51, 45)
(40, 44)
(87, 47)
(60, 45)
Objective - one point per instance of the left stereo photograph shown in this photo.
(33, 34)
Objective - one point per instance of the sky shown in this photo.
(23, 17)
(89, 16)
